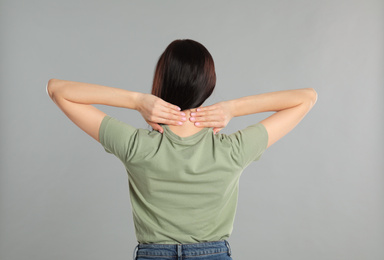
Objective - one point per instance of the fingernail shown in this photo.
(197, 123)
(179, 108)
(192, 119)
(180, 123)
(193, 114)
(182, 113)
(183, 118)
(198, 109)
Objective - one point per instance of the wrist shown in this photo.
(137, 98)
(232, 108)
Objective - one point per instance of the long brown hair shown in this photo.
(185, 74)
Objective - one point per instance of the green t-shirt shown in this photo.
(182, 189)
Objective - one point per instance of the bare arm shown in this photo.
(290, 106)
(75, 99)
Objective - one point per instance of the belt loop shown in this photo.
(135, 252)
(229, 247)
(179, 255)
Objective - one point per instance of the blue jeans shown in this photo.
(218, 250)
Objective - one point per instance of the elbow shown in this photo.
(51, 87)
(312, 96)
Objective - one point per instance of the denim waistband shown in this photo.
(182, 250)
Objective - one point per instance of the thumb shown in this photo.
(216, 130)
(156, 127)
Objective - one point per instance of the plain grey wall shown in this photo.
(316, 194)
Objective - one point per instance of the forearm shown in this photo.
(273, 101)
(87, 93)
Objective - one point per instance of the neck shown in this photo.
(187, 128)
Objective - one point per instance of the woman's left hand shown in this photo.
(217, 116)
(157, 111)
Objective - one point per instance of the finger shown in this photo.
(171, 111)
(216, 130)
(204, 113)
(163, 106)
(171, 106)
(168, 116)
(156, 127)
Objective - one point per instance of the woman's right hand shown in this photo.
(217, 116)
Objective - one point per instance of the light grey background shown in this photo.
(316, 194)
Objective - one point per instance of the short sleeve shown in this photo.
(249, 143)
(117, 137)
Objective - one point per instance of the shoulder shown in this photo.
(247, 144)
(252, 132)
(123, 139)
(112, 124)
(112, 129)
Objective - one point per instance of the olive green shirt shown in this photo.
(182, 189)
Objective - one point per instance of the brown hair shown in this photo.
(185, 74)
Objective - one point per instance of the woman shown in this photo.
(183, 176)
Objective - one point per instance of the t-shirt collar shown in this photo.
(185, 140)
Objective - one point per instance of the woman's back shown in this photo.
(183, 189)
